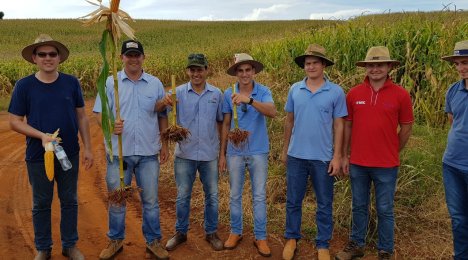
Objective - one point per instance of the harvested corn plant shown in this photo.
(174, 133)
(49, 157)
(237, 136)
(110, 37)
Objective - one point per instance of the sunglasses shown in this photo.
(44, 54)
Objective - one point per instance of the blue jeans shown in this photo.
(384, 184)
(258, 170)
(146, 170)
(456, 196)
(43, 192)
(185, 174)
(298, 173)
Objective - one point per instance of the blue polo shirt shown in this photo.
(457, 145)
(199, 113)
(137, 100)
(251, 120)
(312, 132)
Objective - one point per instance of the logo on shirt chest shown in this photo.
(360, 102)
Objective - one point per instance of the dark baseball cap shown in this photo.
(131, 46)
(197, 59)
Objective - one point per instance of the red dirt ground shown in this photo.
(17, 236)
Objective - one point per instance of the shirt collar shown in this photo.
(388, 83)
(325, 87)
(143, 76)
(461, 85)
(208, 87)
(254, 90)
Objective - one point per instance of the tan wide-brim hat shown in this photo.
(42, 40)
(377, 54)
(244, 58)
(314, 50)
(460, 50)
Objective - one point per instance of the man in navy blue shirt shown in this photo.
(50, 100)
(455, 161)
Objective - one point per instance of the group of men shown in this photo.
(326, 134)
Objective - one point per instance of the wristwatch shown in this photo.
(251, 101)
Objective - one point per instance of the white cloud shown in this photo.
(263, 13)
(208, 18)
(343, 14)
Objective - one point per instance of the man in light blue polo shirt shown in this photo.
(138, 94)
(199, 109)
(313, 135)
(455, 161)
(254, 102)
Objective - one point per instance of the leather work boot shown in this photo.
(114, 247)
(73, 253)
(384, 255)
(290, 249)
(43, 255)
(352, 250)
(177, 239)
(262, 248)
(157, 250)
(323, 254)
(214, 241)
(232, 241)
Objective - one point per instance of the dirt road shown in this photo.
(17, 236)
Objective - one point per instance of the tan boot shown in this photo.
(262, 248)
(323, 254)
(232, 241)
(157, 250)
(290, 249)
(114, 247)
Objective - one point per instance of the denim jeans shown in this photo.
(456, 196)
(43, 192)
(384, 180)
(185, 174)
(298, 173)
(258, 170)
(146, 170)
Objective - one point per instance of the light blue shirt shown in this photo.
(312, 133)
(457, 144)
(199, 113)
(137, 108)
(250, 120)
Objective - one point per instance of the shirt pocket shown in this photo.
(147, 103)
(325, 115)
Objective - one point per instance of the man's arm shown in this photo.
(265, 108)
(338, 131)
(226, 125)
(164, 153)
(83, 127)
(18, 124)
(288, 126)
(404, 134)
(348, 126)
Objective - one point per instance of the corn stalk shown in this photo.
(110, 37)
(237, 136)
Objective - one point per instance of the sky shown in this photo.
(218, 10)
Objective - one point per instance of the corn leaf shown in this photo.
(107, 116)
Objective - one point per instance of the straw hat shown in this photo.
(42, 40)
(460, 50)
(244, 58)
(377, 54)
(314, 50)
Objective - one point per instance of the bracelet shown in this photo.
(251, 101)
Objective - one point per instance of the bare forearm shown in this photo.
(347, 137)
(23, 128)
(83, 126)
(288, 126)
(224, 134)
(266, 109)
(338, 130)
(404, 134)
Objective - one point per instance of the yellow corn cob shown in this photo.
(49, 164)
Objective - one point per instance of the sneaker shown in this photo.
(232, 241)
(114, 247)
(73, 253)
(323, 254)
(290, 249)
(352, 250)
(157, 250)
(43, 255)
(262, 248)
(214, 241)
(177, 239)
(384, 255)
